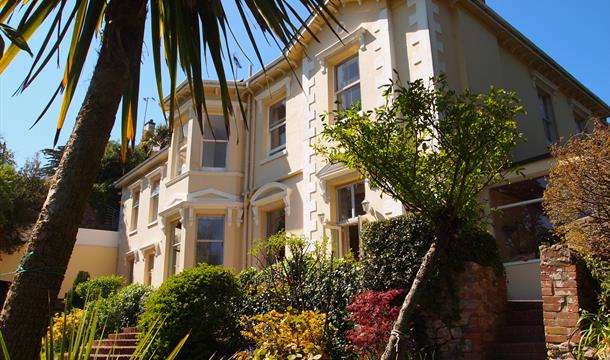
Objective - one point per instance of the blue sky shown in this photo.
(577, 37)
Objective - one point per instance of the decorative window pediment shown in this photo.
(270, 193)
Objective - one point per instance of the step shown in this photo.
(534, 348)
(110, 357)
(130, 330)
(521, 333)
(131, 335)
(521, 356)
(524, 317)
(519, 305)
(116, 342)
(115, 350)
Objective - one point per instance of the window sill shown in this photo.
(214, 169)
(152, 223)
(133, 232)
(275, 156)
(176, 179)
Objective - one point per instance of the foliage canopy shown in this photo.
(429, 147)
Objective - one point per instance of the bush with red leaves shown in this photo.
(373, 314)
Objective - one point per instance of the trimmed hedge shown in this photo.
(204, 301)
(394, 248)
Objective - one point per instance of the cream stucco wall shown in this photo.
(95, 251)
(416, 38)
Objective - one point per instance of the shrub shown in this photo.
(394, 248)
(123, 308)
(100, 287)
(373, 314)
(308, 279)
(595, 334)
(288, 335)
(72, 298)
(64, 326)
(203, 301)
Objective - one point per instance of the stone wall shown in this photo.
(566, 288)
(463, 323)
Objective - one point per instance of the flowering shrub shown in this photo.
(64, 326)
(373, 314)
(290, 335)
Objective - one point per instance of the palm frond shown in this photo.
(184, 34)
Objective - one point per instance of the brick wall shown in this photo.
(470, 314)
(565, 290)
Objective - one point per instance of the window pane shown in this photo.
(359, 197)
(176, 234)
(154, 189)
(210, 252)
(218, 126)
(520, 230)
(214, 154)
(278, 137)
(349, 97)
(136, 198)
(210, 228)
(277, 114)
(344, 203)
(517, 192)
(275, 222)
(347, 73)
(154, 208)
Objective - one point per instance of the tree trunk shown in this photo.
(395, 347)
(24, 318)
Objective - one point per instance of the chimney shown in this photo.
(149, 127)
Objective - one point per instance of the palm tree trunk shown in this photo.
(24, 318)
(395, 348)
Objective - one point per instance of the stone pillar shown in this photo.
(564, 292)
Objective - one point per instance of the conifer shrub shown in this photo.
(203, 301)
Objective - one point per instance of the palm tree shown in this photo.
(181, 31)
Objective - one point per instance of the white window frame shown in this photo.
(354, 217)
(135, 208)
(208, 241)
(174, 263)
(339, 91)
(545, 99)
(154, 199)
(204, 140)
(270, 129)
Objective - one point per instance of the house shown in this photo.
(208, 197)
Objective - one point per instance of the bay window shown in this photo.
(215, 142)
(210, 240)
(175, 239)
